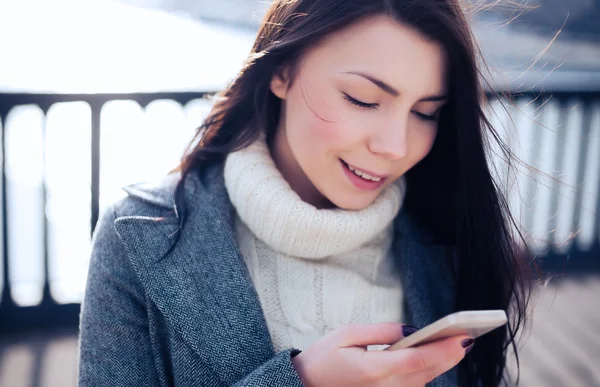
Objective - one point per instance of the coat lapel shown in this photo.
(425, 273)
(201, 283)
(427, 281)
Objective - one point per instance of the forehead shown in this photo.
(381, 46)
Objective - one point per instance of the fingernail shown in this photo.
(408, 330)
(468, 344)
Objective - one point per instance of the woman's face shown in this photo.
(364, 101)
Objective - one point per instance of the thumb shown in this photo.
(359, 335)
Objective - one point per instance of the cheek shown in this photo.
(316, 122)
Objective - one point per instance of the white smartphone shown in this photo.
(472, 323)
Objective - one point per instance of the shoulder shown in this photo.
(148, 221)
(155, 198)
(158, 198)
(145, 204)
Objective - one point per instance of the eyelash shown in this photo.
(425, 117)
(359, 103)
(370, 106)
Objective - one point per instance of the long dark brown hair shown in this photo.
(451, 192)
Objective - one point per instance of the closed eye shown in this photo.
(360, 104)
(425, 117)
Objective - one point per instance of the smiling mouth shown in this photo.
(362, 174)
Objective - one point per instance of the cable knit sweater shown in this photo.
(314, 269)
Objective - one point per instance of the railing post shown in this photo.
(5, 297)
(560, 155)
(46, 296)
(96, 107)
(586, 105)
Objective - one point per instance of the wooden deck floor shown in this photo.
(561, 347)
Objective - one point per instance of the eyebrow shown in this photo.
(390, 90)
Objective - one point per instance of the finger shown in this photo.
(419, 378)
(358, 335)
(426, 376)
(447, 364)
(423, 377)
(439, 354)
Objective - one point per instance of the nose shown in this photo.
(391, 140)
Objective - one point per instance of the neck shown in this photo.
(281, 153)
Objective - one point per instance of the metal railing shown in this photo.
(48, 313)
(583, 254)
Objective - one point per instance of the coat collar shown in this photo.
(203, 287)
(200, 284)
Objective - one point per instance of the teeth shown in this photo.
(363, 175)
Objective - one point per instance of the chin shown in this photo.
(351, 202)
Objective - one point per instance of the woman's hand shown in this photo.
(341, 358)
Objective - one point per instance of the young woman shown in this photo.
(337, 192)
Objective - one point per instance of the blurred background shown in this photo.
(95, 95)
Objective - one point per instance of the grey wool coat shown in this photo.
(159, 313)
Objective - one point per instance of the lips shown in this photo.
(366, 174)
(361, 179)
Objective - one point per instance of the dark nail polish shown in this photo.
(468, 344)
(408, 330)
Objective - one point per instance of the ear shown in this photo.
(280, 81)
